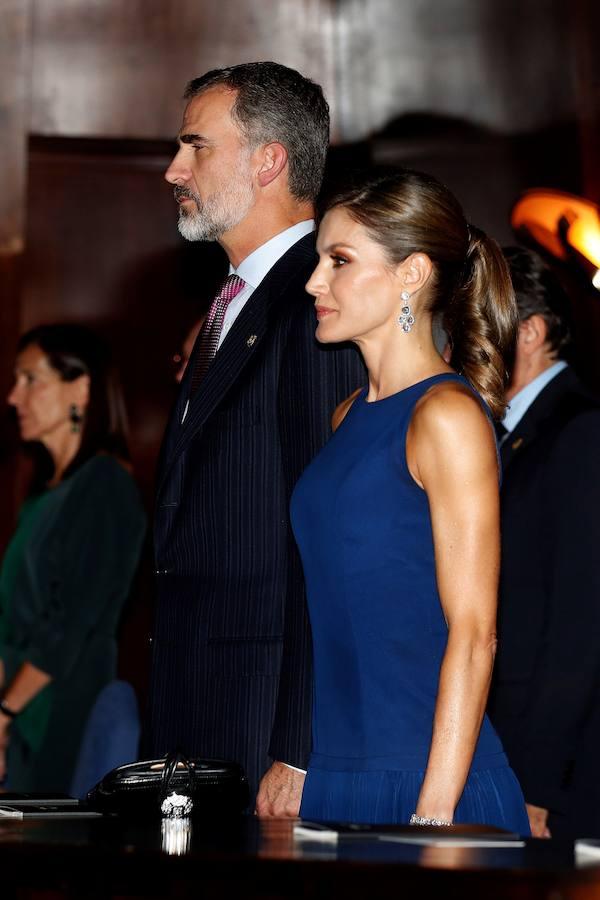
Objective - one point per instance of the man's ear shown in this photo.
(273, 161)
(533, 333)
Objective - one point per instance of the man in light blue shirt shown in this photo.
(545, 698)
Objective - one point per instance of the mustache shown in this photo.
(179, 192)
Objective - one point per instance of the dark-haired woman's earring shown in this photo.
(406, 318)
(76, 418)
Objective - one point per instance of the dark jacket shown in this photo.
(231, 658)
(545, 700)
(75, 575)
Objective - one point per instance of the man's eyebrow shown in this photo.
(192, 139)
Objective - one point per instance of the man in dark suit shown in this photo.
(545, 699)
(231, 656)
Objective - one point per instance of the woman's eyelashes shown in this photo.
(338, 260)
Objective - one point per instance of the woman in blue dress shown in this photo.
(397, 519)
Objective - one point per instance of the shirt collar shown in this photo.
(253, 269)
(521, 402)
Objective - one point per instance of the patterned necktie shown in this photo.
(211, 330)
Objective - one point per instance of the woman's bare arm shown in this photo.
(452, 455)
(27, 683)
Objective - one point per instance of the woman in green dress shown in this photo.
(68, 568)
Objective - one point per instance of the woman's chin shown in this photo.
(327, 335)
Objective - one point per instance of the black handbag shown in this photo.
(173, 787)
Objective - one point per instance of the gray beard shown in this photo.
(218, 215)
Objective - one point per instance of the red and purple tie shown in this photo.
(213, 325)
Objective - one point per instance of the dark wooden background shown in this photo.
(493, 97)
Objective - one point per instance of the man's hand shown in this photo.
(280, 792)
(538, 821)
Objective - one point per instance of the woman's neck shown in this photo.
(63, 447)
(399, 360)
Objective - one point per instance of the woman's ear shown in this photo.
(273, 161)
(414, 272)
(80, 391)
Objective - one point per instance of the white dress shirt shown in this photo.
(253, 269)
(521, 402)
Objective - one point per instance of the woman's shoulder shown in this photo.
(104, 475)
(448, 407)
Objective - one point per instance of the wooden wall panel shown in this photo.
(114, 68)
(103, 249)
(585, 66)
(496, 64)
(106, 67)
(14, 108)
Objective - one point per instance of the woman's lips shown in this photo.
(323, 311)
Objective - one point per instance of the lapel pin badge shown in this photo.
(251, 340)
(516, 444)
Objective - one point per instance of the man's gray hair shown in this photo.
(275, 103)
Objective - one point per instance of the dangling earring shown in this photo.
(406, 318)
(76, 418)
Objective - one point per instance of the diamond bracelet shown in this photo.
(423, 820)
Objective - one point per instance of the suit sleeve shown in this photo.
(79, 572)
(313, 380)
(567, 672)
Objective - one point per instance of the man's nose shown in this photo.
(177, 173)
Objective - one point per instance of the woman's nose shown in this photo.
(14, 395)
(316, 284)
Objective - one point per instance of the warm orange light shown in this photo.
(557, 221)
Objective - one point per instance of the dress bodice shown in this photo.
(364, 531)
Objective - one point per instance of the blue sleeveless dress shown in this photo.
(364, 531)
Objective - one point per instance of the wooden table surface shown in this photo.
(46, 859)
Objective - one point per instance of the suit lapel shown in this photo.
(243, 342)
(528, 428)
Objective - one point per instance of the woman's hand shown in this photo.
(26, 684)
(4, 739)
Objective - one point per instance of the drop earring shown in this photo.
(406, 319)
(75, 418)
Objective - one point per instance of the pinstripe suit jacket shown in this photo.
(231, 653)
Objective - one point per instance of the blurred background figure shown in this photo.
(68, 568)
(181, 359)
(545, 700)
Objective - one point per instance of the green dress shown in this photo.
(34, 718)
(64, 579)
